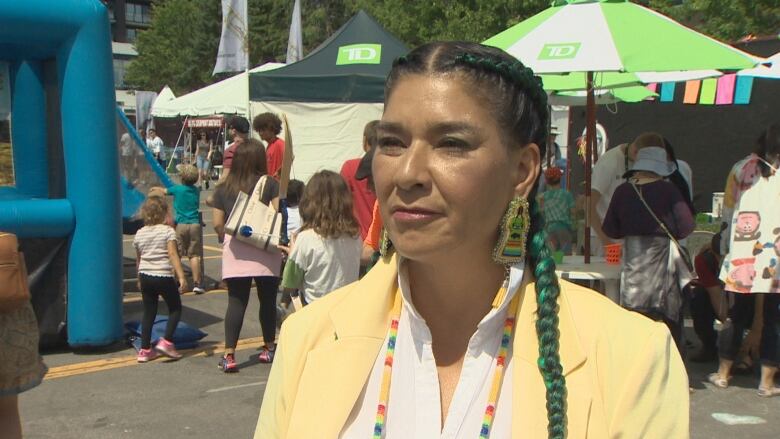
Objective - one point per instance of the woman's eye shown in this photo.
(390, 143)
(453, 143)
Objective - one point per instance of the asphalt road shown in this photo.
(106, 394)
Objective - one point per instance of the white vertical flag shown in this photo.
(233, 53)
(295, 43)
(144, 100)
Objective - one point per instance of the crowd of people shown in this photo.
(462, 327)
(642, 199)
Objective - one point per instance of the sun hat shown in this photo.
(653, 159)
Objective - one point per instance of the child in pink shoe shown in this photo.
(157, 259)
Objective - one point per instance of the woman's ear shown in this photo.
(529, 165)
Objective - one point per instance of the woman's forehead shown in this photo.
(433, 99)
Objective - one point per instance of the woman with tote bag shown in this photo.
(651, 215)
(243, 262)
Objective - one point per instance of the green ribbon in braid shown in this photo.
(547, 292)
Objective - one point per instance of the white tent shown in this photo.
(326, 134)
(165, 95)
(229, 96)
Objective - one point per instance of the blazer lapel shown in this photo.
(529, 403)
(335, 373)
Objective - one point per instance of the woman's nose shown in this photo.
(413, 168)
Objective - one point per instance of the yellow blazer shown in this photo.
(624, 377)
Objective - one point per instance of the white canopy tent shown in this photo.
(229, 96)
(326, 134)
(165, 95)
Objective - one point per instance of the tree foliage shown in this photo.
(726, 20)
(180, 47)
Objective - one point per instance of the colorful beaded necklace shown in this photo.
(495, 387)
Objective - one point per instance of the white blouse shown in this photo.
(414, 407)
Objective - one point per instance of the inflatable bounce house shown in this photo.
(61, 190)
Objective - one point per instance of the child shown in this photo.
(294, 194)
(326, 253)
(156, 261)
(189, 231)
(558, 210)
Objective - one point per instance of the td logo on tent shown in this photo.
(359, 54)
(556, 51)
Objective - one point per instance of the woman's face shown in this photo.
(443, 174)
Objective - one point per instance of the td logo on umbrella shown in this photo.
(556, 51)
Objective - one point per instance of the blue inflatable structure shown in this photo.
(74, 35)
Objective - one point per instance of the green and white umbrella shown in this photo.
(611, 36)
(609, 80)
(769, 71)
(631, 93)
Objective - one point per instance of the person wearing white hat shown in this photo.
(644, 211)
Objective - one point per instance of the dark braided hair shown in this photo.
(519, 104)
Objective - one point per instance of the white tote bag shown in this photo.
(254, 222)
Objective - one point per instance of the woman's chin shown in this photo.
(432, 252)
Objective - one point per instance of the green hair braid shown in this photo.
(516, 73)
(547, 292)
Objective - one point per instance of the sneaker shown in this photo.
(167, 348)
(197, 289)
(267, 356)
(228, 363)
(146, 355)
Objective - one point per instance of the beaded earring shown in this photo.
(510, 247)
(385, 245)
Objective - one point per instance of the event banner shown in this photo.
(295, 42)
(143, 109)
(233, 55)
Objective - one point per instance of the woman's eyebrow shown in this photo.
(390, 127)
(438, 128)
(454, 127)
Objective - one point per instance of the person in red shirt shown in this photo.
(363, 197)
(268, 127)
(238, 129)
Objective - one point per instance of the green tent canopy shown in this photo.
(350, 66)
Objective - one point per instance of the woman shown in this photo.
(644, 211)
(750, 270)
(203, 150)
(457, 156)
(242, 262)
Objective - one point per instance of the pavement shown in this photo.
(105, 393)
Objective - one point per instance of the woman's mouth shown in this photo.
(413, 215)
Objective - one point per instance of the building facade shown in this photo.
(128, 19)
